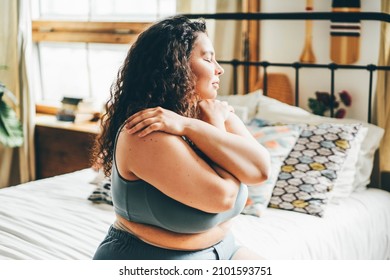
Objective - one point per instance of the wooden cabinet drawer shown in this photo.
(60, 150)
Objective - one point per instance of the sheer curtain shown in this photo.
(17, 165)
(383, 92)
(226, 35)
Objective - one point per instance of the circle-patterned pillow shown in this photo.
(310, 170)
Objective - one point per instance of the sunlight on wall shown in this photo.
(281, 44)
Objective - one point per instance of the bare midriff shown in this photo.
(172, 240)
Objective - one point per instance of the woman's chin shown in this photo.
(211, 95)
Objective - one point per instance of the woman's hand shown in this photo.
(214, 112)
(156, 119)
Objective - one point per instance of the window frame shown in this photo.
(87, 31)
(83, 32)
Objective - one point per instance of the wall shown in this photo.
(282, 41)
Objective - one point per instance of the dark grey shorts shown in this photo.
(121, 245)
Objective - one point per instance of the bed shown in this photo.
(53, 219)
(288, 217)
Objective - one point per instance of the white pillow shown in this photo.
(276, 111)
(238, 102)
(343, 187)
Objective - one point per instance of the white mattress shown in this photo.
(52, 219)
(357, 227)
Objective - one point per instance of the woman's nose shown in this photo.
(219, 70)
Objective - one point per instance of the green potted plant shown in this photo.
(11, 131)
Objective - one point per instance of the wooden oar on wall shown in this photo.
(345, 35)
(307, 55)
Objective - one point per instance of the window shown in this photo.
(78, 51)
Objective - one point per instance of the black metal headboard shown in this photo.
(297, 66)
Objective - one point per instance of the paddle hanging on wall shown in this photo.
(307, 55)
(345, 34)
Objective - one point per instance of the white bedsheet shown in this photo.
(358, 227)
(52, 219)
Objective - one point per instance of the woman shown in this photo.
(177, 155)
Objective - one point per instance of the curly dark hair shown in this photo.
(156, 72)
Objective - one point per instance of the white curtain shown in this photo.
(17, 165)
(225, 34)
(383, 92)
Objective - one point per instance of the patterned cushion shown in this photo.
(274, 110)
(102, 193)
(278, 140)
(310, 170)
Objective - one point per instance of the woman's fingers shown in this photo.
(151, 128)
(213, 108)
(147, 126)
(141, 125)
(146, 121)
(140, 116)
(155, 119)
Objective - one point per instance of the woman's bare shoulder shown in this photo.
(132, 146)
(157, 139)
(133, 152)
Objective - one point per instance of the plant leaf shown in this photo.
(317, 107)
(11, 131)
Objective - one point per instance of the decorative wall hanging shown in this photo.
(307, 55)
(345, 34)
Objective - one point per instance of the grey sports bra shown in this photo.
(140, 202)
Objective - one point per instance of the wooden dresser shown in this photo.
(62, 147)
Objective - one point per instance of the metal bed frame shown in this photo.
(297, 66)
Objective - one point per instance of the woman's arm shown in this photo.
(221, 115)
(234, 150)
(239, 154)
(168, 163)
